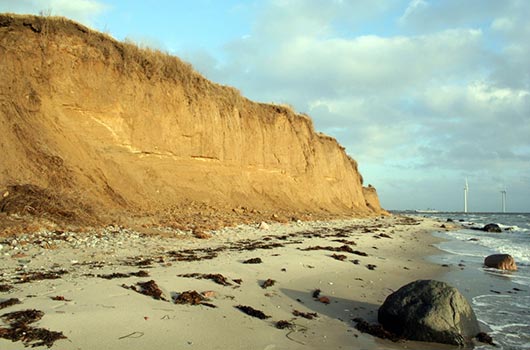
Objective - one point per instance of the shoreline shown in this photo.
(100, 312)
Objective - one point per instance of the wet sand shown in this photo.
(89, 288)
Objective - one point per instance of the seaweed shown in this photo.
(343, 248)
(36, 276)
(307, 315)
(268, 283)
(141, 273)
(253, 261)
(376, 330)
(340, 257)
(149, 288)
(216, 277)
(192, 297)
(19, 329)
(485, 338)
(284, 324)
(5, 288)
(249, 310)
(317, 297)
(357, 252)
(59, 298)
(9, 302)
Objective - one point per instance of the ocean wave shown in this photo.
(502, 243)
(508, 316)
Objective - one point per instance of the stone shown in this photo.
(492, 228)
(430, 311)
(501, 262)
(263, 226)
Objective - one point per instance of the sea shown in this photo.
(500, 299)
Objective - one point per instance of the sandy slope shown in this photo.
(103, 314)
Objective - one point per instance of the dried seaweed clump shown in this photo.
(376, 330)
(9, 302)
(20, 329)
(149, 288)
(192, 297)
(216, 277)
(249, 310)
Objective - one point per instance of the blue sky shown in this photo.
(422, 93)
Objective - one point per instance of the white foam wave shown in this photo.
(508, 316)
(513, 245)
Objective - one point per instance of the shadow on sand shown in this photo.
(339, 308)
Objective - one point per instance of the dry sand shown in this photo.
(100, 313)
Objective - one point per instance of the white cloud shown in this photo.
(448, 97)
(84, 11)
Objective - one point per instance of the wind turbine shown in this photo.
(503, 194)
(466, 189)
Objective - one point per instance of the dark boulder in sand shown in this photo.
(492, 228)
(431, 311)
(501, 262)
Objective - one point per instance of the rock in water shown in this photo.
(501, 262)
(430, 311)
(492, 228)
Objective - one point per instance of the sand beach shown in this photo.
(316, 277)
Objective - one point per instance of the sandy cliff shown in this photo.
(101, 127)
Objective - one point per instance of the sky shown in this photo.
(424, 94)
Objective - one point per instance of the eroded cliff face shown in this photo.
(124, 129)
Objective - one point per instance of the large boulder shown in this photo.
(492, 228)
(501, 262)
(430, 311)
